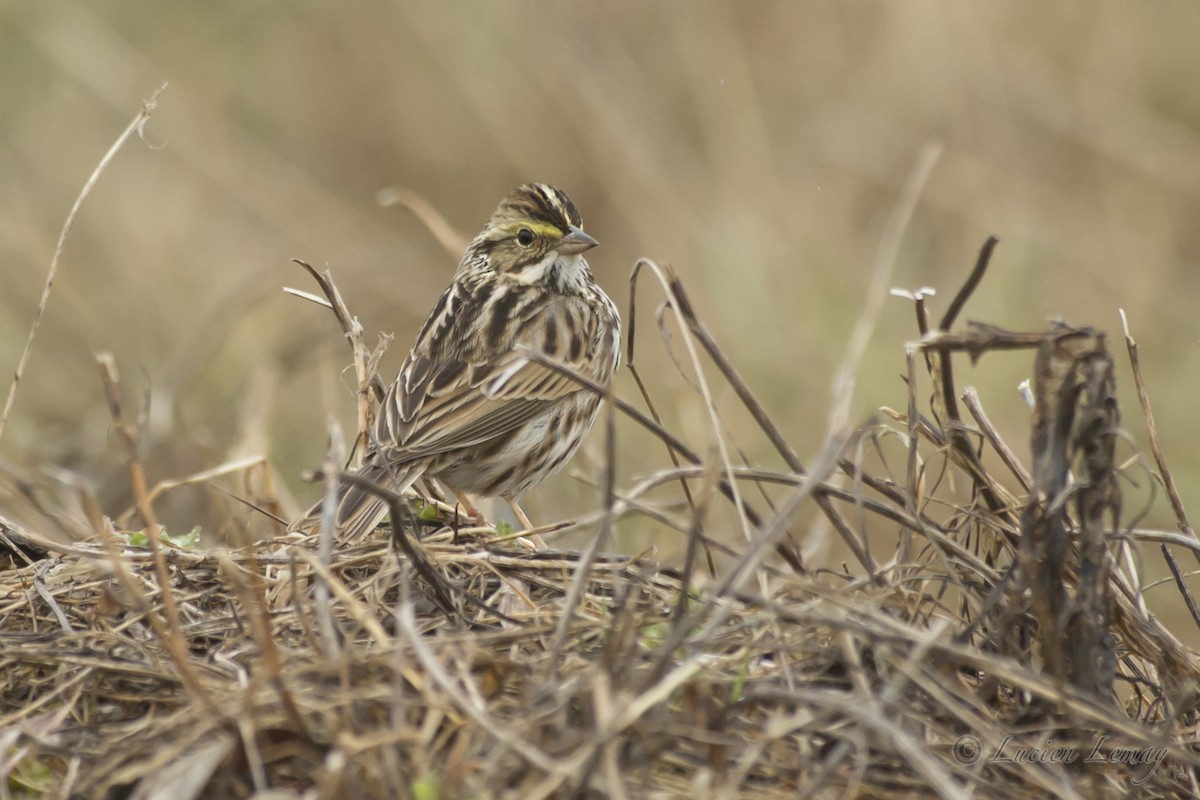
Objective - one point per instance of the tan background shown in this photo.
(759, 147)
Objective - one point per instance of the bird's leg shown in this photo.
(474, 515)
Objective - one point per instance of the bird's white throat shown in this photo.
(566, 273)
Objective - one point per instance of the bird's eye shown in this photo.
(524, 237)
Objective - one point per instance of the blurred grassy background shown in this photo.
(759, 148)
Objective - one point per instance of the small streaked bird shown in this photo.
(469, 407)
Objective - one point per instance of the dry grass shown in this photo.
(759, 150)
(963, 661)
(919, 610)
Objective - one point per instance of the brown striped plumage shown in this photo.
(468, 407)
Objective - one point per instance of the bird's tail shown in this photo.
(358, 510)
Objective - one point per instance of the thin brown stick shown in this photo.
(370, 386)
(683, 304)
(584, 568)
(668, 281)
(971, 400)
(630, 339)
(970, 285)
(322, 606)
(710, 479)
(138, 125)
(450, 239)
(171, 635)
(1177, 576)
(913, 479)
(944, 381)
(979, 338)
(1181, 516)
(691, 322)
(1182, 520)
(667, 438)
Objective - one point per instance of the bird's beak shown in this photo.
(576, 241)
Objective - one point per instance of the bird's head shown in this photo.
(534, 236)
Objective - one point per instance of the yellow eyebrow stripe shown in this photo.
(539, 228)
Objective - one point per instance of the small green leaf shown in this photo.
(652, 635)
(426, 787)
(189, 540)
(739, 683)
(31, 777)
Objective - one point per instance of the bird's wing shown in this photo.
(441, 404)
(472, 410)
